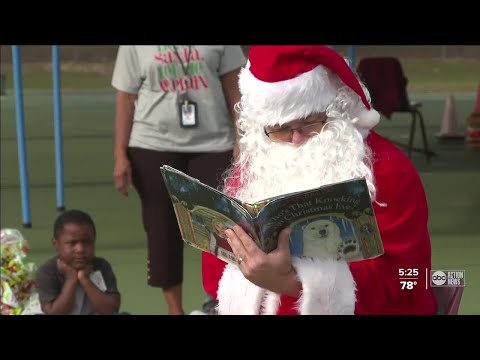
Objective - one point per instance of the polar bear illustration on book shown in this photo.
(321, 238)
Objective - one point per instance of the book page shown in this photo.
(336, 220)
(204, 213)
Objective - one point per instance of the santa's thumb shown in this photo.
(284, 240)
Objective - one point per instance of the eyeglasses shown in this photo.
(286, 134)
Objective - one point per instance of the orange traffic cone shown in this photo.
(473, 123)
(449, 124)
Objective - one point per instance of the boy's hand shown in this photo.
(66, 270)
(85, 272)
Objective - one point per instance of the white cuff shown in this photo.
(328, 287)
(236, 295)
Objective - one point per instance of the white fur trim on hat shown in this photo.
(367, 119)
(283, 101)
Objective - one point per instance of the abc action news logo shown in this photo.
(447, 278)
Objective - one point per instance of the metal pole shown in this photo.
(57, 111)
(22, 156)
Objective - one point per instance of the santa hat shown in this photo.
(284, 83)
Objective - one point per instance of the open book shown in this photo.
(335, 220)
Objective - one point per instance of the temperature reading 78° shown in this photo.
(408, 278)
(408, 284)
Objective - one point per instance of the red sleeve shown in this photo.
(404, 231)
(212, 270)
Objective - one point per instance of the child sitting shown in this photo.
(75, 281)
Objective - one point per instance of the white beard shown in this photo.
(269, 169)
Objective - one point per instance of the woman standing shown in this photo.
(174, 106)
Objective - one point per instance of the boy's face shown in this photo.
(76, 245)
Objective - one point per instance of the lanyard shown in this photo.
(185, 69)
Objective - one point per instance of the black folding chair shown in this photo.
(387, 84)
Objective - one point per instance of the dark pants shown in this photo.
(165, 244)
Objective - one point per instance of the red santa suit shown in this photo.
(403, 227)
(275, 78)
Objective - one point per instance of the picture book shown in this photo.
(335, 220)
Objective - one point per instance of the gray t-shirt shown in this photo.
(159, 75)
(49, 282)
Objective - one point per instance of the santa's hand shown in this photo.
(272, 271)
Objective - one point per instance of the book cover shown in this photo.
(335, 220)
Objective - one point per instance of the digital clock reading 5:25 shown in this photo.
(408, 272)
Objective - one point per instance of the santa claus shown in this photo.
(305, 121)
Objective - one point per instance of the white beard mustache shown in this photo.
(269, 169)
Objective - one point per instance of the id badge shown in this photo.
(188, 114)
